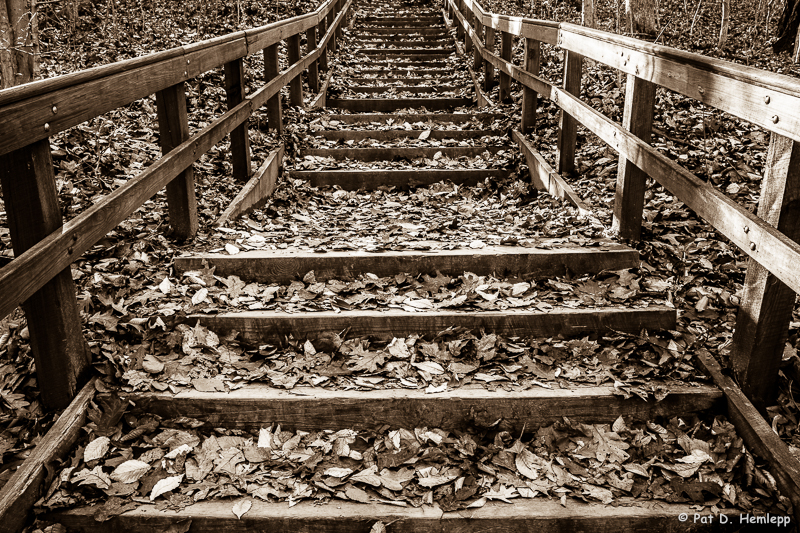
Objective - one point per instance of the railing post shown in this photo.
(488, 68)
(331, 18)
(467, 18)
(338, 10)
(533, 57)
(460, 33)
(296, 85)
(271, 71)
(31, 202)
(762, 324)
(240, 139)
(322, 29)
(640, 101)
(477, 59)
(506, 45)
(568, 126)
(313, 72)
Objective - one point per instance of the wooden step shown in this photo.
(402, 24)
(393, 104)
(312, 408)
(426, 29)
(352, 180)
(403, 36)
(440, 88)
(411, 62)
(406, 71)
(258, 327)
(411, 20)
(538, 515)
(285, 266)
(399, 40)
(384, 45)
(407, 54)
(390, 135)
(392, 153)
(402, 81)
(412, 118)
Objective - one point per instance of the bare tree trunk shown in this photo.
(587, 13)
(641, 15)
(8, 63)
(726, 21)
(18, 42)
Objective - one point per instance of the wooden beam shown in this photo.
(240, 139)
(414, 89)
(256, 191)
(640, 101)
(285, 266)
(539, 514)
(173, 129)
(390, 135)
(56, 335)
(296, 85)
(268, 326)
(352, 180)
(762, 324)
(392, 104)
(271, 71)
(506, 48)
(488, 68)
(313, 71)
(413, 118)
(533, 57)
(477, 61)
(392, 153)
(322, 29)
(568, 126)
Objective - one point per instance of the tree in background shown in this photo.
(641, 16)
(726, 21)
(787, 29)
(19, 43)
(587, 13)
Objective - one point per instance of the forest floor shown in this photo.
(130, 307)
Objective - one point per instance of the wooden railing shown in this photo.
(769, 100)
(40, 277)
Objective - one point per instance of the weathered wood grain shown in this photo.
(26, 484)
(390, 153)
(415, 89)
(640, 100)
(256, 191)
(296, 85)
(506, 44)
(427, 30)
(524, 516)
(351, 180)
(488, 68)
(414, 118)
(271, 71)
(389, 135)
(392, 104)
(240, 138)
(313, 70)
(567, 125)
(50, 303)
(532, 63)
(504, 261)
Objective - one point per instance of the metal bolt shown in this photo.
(55, 110)
(766, 99)
(753, 246)
(47, 127)
(747, 229)
(775, 119)
(74, 236)
(70, 250)
(188, 61)
(701, 90)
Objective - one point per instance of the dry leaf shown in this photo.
(241, 507)
(166, 485)
(130, 471)
(97, 449)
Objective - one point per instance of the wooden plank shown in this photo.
(173, 129)
(271, 71)
(402, 24)
(568, 127)
(51, 307)
(413, 118)
(256, 191)
(351, 180)
(391, 45)
(321, 99)
(488, 68)
(240, 138)
(762, 323)
(312, 409)
(268, 326)
(393, 104)
(749, 93)
(212, 53)
(532, 64)
(506, 262)
(537, 515)
(415, 89)
(313, 71)
(296, 85)
(26, 484)
(390, 31)
(758, 239)
(390, 153)
(416, 56)
(755, 431)
(506, 45)
(390, 135)
(322, 29)
(271, 34)
(544, 177)
(53, 254)
(640, 101)
(402, 80)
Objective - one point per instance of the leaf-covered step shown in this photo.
(414, 118)
(414, 89)
(415, 20)
(402, 80)
(422, 29)
(266, 326)
(354, 179)
(309, 408)
(389, 135)
(281, 266)
(408, 70)
(539, 515)
(390, 153)
(424, 41)
(361, 105)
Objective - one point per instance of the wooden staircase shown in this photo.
(407, 63)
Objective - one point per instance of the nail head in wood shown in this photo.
(753, 246)
(766, 99)
(55, 110)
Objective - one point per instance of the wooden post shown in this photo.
(640, 101)
(240, 138)
(533, 57)
(173, 129)
(313, 72)
(332, 42)
(296, 85)
(762, 324)
(271, 71)
(460, 33)
(476, 58)
(568, 126)
(31, 202)
(488, 68)
(467, 38)
(322, 29)
(506, 45)
(338, 10)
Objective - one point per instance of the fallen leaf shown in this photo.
(166, 485)
(130, 471)
(241, 507)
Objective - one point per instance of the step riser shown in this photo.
(500, 261)
(389, 154)
(407, 89)
(350, 180)
(456, 118)
(260, 327)
(403, 81)
(421, 30)
(381, 105)
(390, 135)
